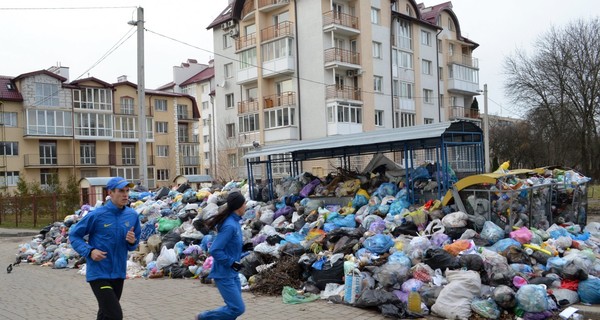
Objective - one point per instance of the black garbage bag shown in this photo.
(176, 271)
(573, 272)
(250, 262)
(328, 274)
(183, 187)
(455, 233)
(305, 263)
(375, 298)
(292, 249)
(438, 258)
(407, 228)
(471, 262)
(161, 193)
(515, 254)
(345, 245)
(394, 310)
(541, 257)
(170, 239)
(274, 239)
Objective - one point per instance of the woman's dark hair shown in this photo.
(217, 218)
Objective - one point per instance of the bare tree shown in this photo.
(559, 88)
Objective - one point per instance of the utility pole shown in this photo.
(486, 130)
(141, 96)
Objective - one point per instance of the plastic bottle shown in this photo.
(414, 301)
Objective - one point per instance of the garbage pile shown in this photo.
(370, 252)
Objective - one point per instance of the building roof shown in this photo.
(46, 72)
(169, 85)
(423, 136)
(92, 79)
(96, 181)
(196, 178)
(203, 75)
(8, 90)
(432, 13)
(225, 15)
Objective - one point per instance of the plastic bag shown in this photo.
(166, 258)
(291, 296)
(491, 232)
(532, 298)
(504, 296)
(486, 308)
(589, 291)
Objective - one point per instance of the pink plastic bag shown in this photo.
(523, 235)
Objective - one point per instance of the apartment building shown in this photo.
(52, 129)
(300, 70)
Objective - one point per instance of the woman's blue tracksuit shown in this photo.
(225, 250)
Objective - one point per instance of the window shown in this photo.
(232, 160)
(248, 123)
(226, 41)
(426, 66)
(162, 127)
(229, 101)
(9, 178)
(228, 70)
(405, 60)
(162, 174)
(230, 130)
(48, 177)
(128, 154)
(182, 111)
(87, 151)
(374, 16)
(377, 84)
(93, 124)
(162, 151)
(8, 148)
(425, 38)
(405, 35)
(46, 94)
(183, 132)
(281, 117)
(427, 96)
(441, 73)
(92, 98)
(451, 49)
(277, 49)
(160, 104)
(440, 47)
(441, 100)
(376, 50)
(407, 90)
(206, 139)
(395, 88)
(450, 24)
(428, 121)
(49, 122)
(463, 73)
(204, 105)
(344, 113)
(8, 119)
(48, 154)
(126, 105)
(379, 118)
(126, 128)
(247, 58)
(407, 119)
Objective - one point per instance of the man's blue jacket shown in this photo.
(106, 228)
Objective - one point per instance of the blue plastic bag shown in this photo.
(589, 291)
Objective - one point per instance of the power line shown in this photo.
(68, 8)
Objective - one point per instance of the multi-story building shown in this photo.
(299, 70)
(53, 128)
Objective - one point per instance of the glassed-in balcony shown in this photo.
(404, 104)
(340, 23)
(463, 74)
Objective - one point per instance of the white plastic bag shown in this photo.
(166, 258)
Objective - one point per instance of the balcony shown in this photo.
(125, 109)
(270, 5)
(341, 59)
(189, 160)
(284, 29)
(246, 41)
(340, 23)
(464, 60)
(462, 87)
(34, 160)
(246, 106)
(115, 160)
(248, 11)
(342, 92)
(247, 75)
(461, 113)
(285, 99)
(278, 67)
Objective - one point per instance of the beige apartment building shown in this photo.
(290, 70)
(52, 128)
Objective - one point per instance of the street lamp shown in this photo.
(486, 129)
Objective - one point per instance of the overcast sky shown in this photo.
(93, 42)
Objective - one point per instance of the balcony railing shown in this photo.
(115, 160)
(266, 3)
(245, 41)
(125, 109)
(284, 29)
(283, 100)
(249, 105)
(346, 20)
(342, 92)
(189, 160)
(341, 55)
(464, 60)
(457, 112)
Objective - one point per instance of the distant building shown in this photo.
(291, 70)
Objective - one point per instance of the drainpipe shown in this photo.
(437, 62)
(298, 104)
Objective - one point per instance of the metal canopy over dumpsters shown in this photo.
(455, 144)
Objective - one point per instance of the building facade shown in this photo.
(299, 70)
(53, 129)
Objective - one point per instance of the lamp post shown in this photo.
(141, 95)
(486, 129)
